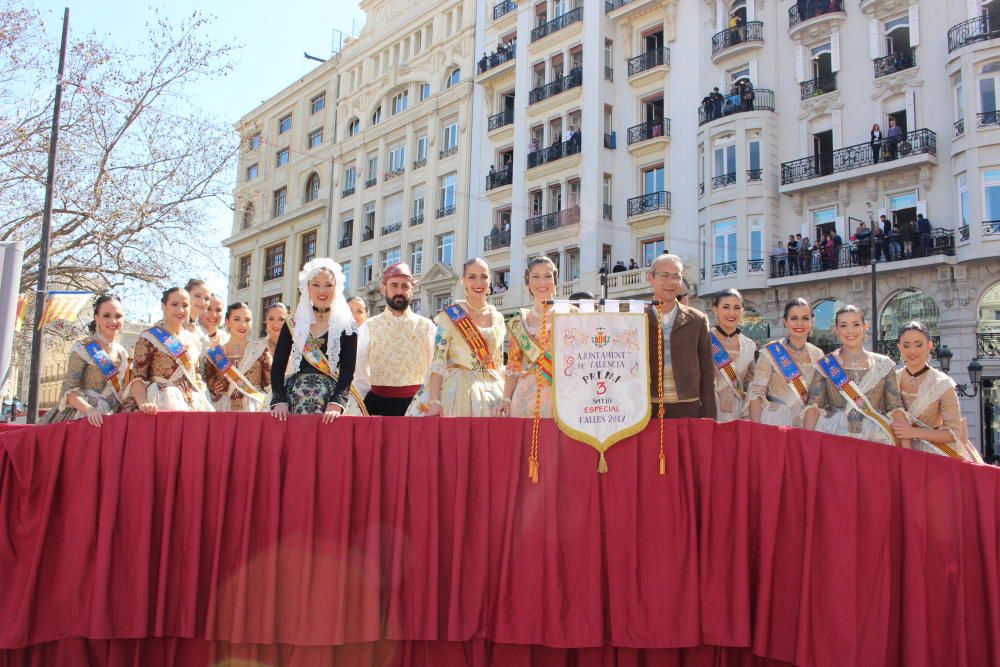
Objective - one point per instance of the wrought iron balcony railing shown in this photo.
(722, 180)
(858, 155)
(979, 29)
(368, 234)
(503, 8)
(724, 269)
(391, 227)
(991, 228)
(446, 210)
(447, 152)
(547, 221)
(422, 162)
(648, 60)
(727, 105)
(818, 86)
(560, 85)
(648, 203)
(609, 140)
(890, 347)
(346, 242)
(810, 9)
(553, 152)
(895, 62)
(496, 241)
(371, 181)
(959, 127)
(347, 192)
(498, 58)
(498, 179)
(754, 175)
(755, 265)
(558, 23)
(748, 32)
(963, 233)
(609, 73)
(395, 173)
(498, 120)
(651, 129)
(987, 118)
(607, 211)
(416, 220)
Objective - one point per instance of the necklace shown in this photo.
(727, 335)
(853, 362)
(478, 311)
(788, 342)
(321, 310)
(913, 376)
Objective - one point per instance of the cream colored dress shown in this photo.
(729, 406)
(934, 404)
(170, 385)
(522, 403)
(255, 364)
(782, 404)
(468, 387)
(84, 378)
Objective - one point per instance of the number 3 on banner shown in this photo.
(602, 388)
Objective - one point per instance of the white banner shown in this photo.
(601, 378)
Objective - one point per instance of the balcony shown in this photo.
(890, 347)
(803, 11)
(446, 210)
(895, 62)
(763, 100)
(243, 282)
(651, 129)
(649, 203)
(609, 141)
(617, 9)
(502, 119)
(939, 242)
(497, 58)
(991, 229)
(819, 86)
(371, 182)
(417, 220)
(554, 152)
(631, 281)
(723, 180)
(648, 60)
(447, 152)
(391, 228)
(963, 233)
(556, 24)
(368, 234)
(549, 221)
(503, 8)
(347, 192)
(988, 345)
(346, 242)
(498, 179)
(496, 240)
(979, 29)
(959, 127)
(854, 157)
(755, 175)
(395, 173)
(748, 34)
(724, 270)
(988, 119)
(755, 265)
(560, 85)
(422, 162)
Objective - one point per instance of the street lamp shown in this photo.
(974, 368)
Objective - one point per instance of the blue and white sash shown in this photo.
(853, 395)
(789, 369)
(177, 351)
(724, 362)
(104, 364)
(217, 356)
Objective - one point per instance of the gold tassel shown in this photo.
(663, 464)
(533, 470)
(602, 465)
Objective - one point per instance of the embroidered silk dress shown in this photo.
(85, 379)
(933, 403)
(468, 387)
(782, 405)
(308, 390)
(878, 382)
(255, 364)
(728, 404)
(521, 366)
(170, 386)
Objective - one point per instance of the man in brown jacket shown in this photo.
(688, 371)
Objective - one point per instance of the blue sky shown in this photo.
(272, 36)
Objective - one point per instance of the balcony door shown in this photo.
(653, 40)
(897, 35)
(823, 152)
(652, 180)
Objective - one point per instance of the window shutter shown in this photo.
(922, 208)
(800, 66)
(873, 40)
(841, 227)
(914, 26)
(911, 107)
(835, 52)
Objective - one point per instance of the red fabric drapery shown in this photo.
(193, 538)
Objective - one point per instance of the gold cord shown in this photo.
(533, 464)
(659, 385)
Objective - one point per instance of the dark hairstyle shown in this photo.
(272, 306)
(195, 282)
(170, 290)
(722, 294)
(474, 260)
(101, 300)
(795, 303)
(236, 306)
(541, 259)
(580, 296)
(915, 326)
(850, 308)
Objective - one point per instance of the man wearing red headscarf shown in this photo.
(395, 348)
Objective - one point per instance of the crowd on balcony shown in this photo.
(889, 150)
(740, 98)
(503, 53)
(571, 137)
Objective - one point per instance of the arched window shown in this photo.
(248, 216)
(906, 306)
(353, 127)
(377, 115)
(739, 8)
(824, 334)
(453, 78)
(312, 187)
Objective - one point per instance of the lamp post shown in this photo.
(975, 370)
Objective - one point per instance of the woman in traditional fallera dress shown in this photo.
(274, 321)
(465, 378)
(97, 369)
(251, 358)
(872, 375)
(934, 421)
(200, 296)
(320, 344)
(785, 368)
(529, 358)
(211, 321)
(737, 349)
(164, 366)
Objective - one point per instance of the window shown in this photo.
(244, 273)
(346, 268)
(372, 170)
(285, 124)
(417, 257)
(252, 172)
(606, 191)
(652, 180)
(369, 230)
(281, 157)
(390, 257)
(266, 303)
(308, 247)
(609, 59)
(756, 226)
(753, 158)
(956, 84)
(963, 200)
(739, 73)
(315, 138)
(317, 103)
(824, 220)
(346, 230)
(350, 178)
(422, 148)
(724, 234)
(448, 191)
(255, 142)
(279, 202)
(274, 262)
(441, 301)
(453, 78)
(988, 85)
(425, 91)
(397, 159)
(725, 165)
(445, 247)
(248, 216)
(418, 207)
(377, 115)
(451, 136)
(353, 127)
(650, 250)
(312, 187)
(991, 194)
(400, 102)
(367, 269)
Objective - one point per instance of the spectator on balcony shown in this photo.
(863, 237)
(906, 232)
(792, 250)
(837, 243)
(780, 257)
(881, 250)
(735, 33)
(893, 137)
(483, 62)
(747, 96)
(886, 225)
(494, 238)
(817, 256)
(876, 143)
(803, 250)
(717, 100)
(923, 235)
(632, 265)
(895, 243)
(619, 266)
